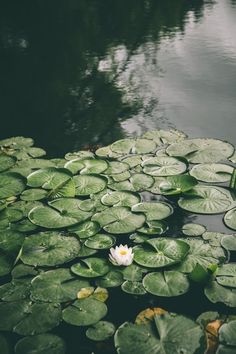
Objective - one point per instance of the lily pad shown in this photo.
(70, 207)
(100, 242)
(138, 182)
(49, 249)
(26, 318)
(230, 219)
(229, 242)
(160, 252)
(10, 245)
(133, 287)
(86, 229)
(49, 178)
(167, 283)
(50, 218)
(41, 344)
(218, 293)
(153, 227)
(11, 184)
(168, 336)
(33, 194)
(101, 331)
(120, 199)
(58, 285)
(86, 166)
(207, 200)
(116, 167)
(89, 184)
(84, 312)
(161, 136)
(133, 146)
(110, 279)
(6, 162)
(91, 267)
(119, 220)
(163, 166)
(134, 272)
(227, 333)
(192, 229)
(172, 185)
(201, 150)
(153, 210)
(16, 290)
(212, 172)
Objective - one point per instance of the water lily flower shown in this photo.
(121, 255)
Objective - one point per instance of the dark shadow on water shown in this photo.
(52, 87)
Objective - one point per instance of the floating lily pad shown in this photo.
(89, 184)
(70, 207)
(230, 219)
(11, 184)
(136, 183)
(168, 336)
(17, 142)
(229, 242)
(227, 334)
(212, 172)
(100, 242)
(49, 178)
(167, 283)
(50, 218)
(119, 220)
(84, 312)
(86, 229)
(133, 160)
(207, 200)
(101, 331)
(133, 287)
(172, 185)
(153, 210)
(58, 285)
(226, 275)
(153, 227)
(110, 280)
(41, 344)
(6, 162)
(218, 293)
(116, 167)
(161, 136)
(86, 166)
(91, 267)
(133, 146)
(78, 155)
(86, 251)
(26, 318)
(163, 166)
(192, 229)
(160, 252)
(33, 194)
(15, 290)
(120, 199)
(201, 253)
(10, 245)
(49, 249)
(133, 272)
(120, 177)
(201, 150)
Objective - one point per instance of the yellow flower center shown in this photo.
(123, 252)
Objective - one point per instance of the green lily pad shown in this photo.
(41, 344)
(11, 184)
(120, 199)
(10, 245)
(201, 150)
(110, 279)
(167, 335)
(84, 312)
(227, 334)
(50, 218)
(91, 267)
(133, 146)
(89, 184)
(26, 318)
(226, 275)
(229, 242)
(82, 154)
(192, 229)
(33, 194)
(49, 249)
(136, 183)
(163, 166)
(133, 287)
(116, 167)
(17, 142)
(86, 229)
(101, 331)
(172, 185)
(167, 283)
(119, 220)
(207, 200)
(120, 177)
(201, 253)
(160, 252)
(58, 285)
(70, 207)
(86, 252)
(218, 293)
(153, 210)
(133, 272)
(49, 178)
(16, 290)
(212, 172)
(100, 242)
(230, 219)
(153, 227)
(213, 238)
(6, 162)
(161, 136)
(86, 166)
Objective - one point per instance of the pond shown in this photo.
(79, 75)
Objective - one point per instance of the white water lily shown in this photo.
(121, 255)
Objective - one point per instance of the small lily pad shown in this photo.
(192, 229)
(212, 172)
(11, 184)
(101, 331)
(41, 344)
(91, 267)
(86, 229)
(110, 279)
(86, 166)
(120, 199)
(133, 146)
(230, 219)
(33, 194)
(100, 242)
(133, 287)
(89, 184)
(163, 166)
(153, 210)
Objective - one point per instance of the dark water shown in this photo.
(77, 73)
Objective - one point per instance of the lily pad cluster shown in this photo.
(60, 217)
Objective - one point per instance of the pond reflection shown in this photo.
(83, 73)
